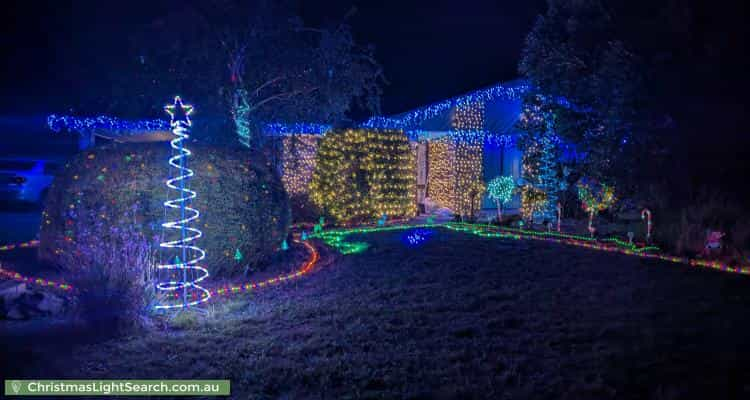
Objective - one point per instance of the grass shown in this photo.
(458, 317)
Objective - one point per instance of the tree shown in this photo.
(501, 190)
(246, 64)
(539, 143)
(590, 53)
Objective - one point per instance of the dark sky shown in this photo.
(430, 50)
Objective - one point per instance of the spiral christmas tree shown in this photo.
(180, 275)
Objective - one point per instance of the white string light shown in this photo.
(185, 273)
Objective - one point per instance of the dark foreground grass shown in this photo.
(459, 317)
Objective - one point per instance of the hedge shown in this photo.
(242, 202)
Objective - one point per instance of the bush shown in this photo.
(533, 201)
(683, 231)
(362, 174)
(114, 282)
(241, 200)
(303, 210)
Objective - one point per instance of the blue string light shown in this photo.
(280, 129)
(185, 273)
(414, 118)
(410, 122)
(416, 237)
(113, 126)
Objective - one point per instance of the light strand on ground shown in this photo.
(250, 286)
(6, 273)
(336, 239)
(30, 243)
(306, 268)
(29, 279)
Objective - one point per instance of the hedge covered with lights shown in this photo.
(361, 174)
(244, 208)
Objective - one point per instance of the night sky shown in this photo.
(430, 50)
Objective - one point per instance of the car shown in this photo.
(26, 180)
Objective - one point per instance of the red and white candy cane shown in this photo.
(559, 215)
(646, 214)
(592, 230)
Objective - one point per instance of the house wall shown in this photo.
(440, 177)
(466, 119)
(298, 162)
(501, 160)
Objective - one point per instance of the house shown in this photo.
(460, 144)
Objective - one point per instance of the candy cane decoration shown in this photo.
(646, 214)
(591, 223)
(559, 215)
(184, 275)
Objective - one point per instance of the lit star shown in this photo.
(179, 112)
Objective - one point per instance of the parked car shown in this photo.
(26, 180)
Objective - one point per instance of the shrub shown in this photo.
(501, 190)
(683, 230)
(241, 200)
(361, 174)
(303, 210)
(533, 201)
(114, 282)
(595, 197)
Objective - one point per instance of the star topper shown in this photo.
(179, 112)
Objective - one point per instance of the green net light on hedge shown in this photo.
(179, 280)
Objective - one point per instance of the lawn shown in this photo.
(458, 317)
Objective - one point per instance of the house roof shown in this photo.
(502, 107)
(502, 104)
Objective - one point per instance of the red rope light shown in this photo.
(222, 291)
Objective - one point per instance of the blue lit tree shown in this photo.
(541, 156)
